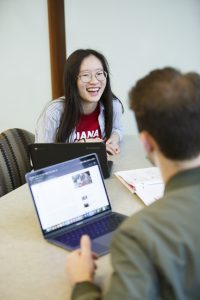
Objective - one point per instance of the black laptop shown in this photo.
(70, 199)
(47, 154)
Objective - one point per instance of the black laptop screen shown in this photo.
(67, 193)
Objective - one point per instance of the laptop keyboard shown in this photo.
(96, 229)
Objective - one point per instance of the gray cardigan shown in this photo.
(49, 121)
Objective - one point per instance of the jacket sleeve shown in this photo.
(133, 273)
(86, 291)
(49, 122)
(117, 118)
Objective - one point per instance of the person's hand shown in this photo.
(81, 264)
(96, 140)
(112, 144)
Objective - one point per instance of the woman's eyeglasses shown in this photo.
(87, 76)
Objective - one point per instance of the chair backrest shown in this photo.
(14, 158)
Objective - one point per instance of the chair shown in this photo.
(14, 158)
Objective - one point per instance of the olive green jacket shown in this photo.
(156, 252)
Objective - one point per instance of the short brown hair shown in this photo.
(166, 104)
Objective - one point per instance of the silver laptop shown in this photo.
(70, 199)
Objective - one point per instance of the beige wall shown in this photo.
(24, 62)
(135, 36)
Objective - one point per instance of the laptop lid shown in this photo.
(46, 154)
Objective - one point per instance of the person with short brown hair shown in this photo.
(155, 253)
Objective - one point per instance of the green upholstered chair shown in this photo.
(14, 158)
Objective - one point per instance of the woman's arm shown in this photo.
(113, 143)
(49, 122)
(117, 118)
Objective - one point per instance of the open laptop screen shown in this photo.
(69, 192)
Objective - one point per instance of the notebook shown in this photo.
(70, 199)
(43, 155)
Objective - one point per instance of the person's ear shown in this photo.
(147, 142)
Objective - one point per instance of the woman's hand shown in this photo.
(112, 144)
(97, 140)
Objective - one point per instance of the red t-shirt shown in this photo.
(88, 126)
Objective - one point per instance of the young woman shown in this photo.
(89, 111)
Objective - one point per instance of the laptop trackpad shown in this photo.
(101, 245)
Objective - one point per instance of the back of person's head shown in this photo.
(166, 104)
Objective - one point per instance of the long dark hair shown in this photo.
(73, 108)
